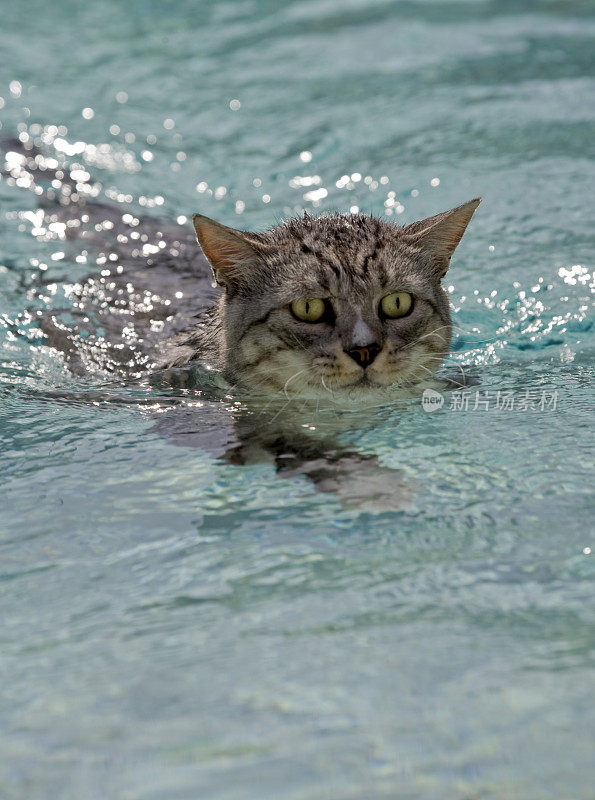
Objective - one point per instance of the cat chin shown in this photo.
(369, 394)
(357, 396)
(363, 393)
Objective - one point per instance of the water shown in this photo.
(176, 627)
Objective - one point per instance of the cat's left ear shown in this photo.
(437, 237)
(232, 254)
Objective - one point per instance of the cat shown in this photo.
(345, 306)
(345, 309)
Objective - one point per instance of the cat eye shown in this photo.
(308, 310)
(397, 304)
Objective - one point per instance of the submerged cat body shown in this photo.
(347, 306)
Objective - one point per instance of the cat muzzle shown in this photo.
(364, 356)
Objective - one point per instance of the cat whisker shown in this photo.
(280, 391)
(468, 334)
(442, 359)
(429, 371)
(454, 327)
(280, 411)
(288, 381)
(330, 391)
(426, 335)
(297, 341)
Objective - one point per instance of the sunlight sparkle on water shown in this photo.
(316, 195)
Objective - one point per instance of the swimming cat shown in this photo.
(345, 306)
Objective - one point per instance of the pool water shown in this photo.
(175, 626)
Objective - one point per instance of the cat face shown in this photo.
(344, 305)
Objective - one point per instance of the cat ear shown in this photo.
(231, 253)
(439, 236)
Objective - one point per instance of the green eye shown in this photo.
(308, 310)
(397, 304)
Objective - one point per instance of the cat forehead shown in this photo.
(343, 255)
(349, 241)
(347, 231)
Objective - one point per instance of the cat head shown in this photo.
(345, 304)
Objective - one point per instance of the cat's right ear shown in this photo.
(232, 254)
(438, 236)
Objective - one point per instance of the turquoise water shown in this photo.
(177, 627)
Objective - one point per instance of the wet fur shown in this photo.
(353, 261)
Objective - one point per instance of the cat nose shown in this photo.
(364, 355)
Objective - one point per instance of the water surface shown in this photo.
(177, 627)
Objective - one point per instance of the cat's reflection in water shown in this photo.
(296, 437)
